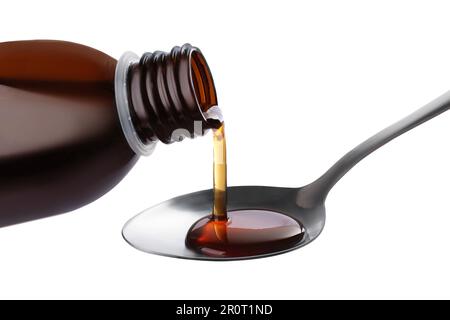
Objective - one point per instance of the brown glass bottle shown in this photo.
(62, 139)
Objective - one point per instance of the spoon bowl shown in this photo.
(150, 232)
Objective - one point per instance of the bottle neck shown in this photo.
(164, 96)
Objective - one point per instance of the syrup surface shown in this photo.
(245, 233)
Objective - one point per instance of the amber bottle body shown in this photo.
(61, 141)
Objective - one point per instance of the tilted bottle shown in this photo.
(74, 121)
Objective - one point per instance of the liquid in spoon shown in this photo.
(239, 233)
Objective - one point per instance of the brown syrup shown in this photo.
(239, 233)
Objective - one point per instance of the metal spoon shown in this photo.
(162, 229)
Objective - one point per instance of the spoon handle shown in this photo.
(317, 191)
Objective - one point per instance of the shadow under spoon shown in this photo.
(162, 229)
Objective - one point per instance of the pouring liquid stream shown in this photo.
(220, 175)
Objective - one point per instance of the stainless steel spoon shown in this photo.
(162, 229)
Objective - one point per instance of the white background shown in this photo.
(300, 83)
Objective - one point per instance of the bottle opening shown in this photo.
(202, 82)
(165, 96)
